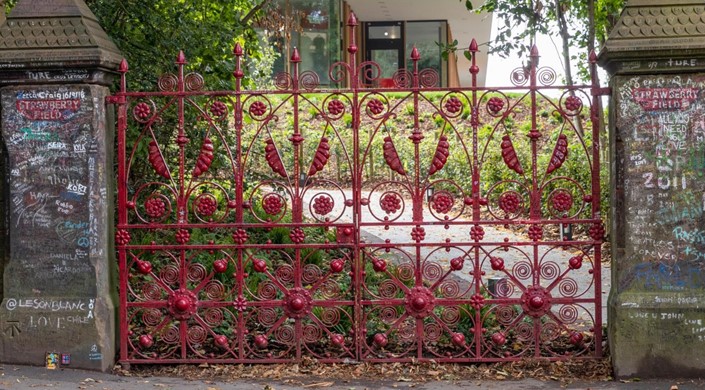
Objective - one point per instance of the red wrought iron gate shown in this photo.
(364, 224)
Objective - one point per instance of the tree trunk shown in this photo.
(565, 38)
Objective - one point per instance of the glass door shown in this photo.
(384, 45)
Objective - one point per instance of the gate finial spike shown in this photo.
(593, 57)
(415, 54)
(295, 57)
(473, 46)
(237, 50)
(123, 66)
(352, 20)
(534, 51)
(181, 58)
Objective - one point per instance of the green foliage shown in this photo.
(521, 20)
(151, 33)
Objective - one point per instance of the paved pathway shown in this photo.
(23, 377)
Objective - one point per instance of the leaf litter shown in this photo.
(309, 373)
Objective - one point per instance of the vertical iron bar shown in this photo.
(596, 200)
(358, 263)
(535, 199)
(122, 204)
(297, 197)
(239, 189)
(475, 188)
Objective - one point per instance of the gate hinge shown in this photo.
(601, 91)
(115, 99)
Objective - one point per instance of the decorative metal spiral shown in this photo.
(193, 82)
(428, 78)
(267, 290)
(546, 76)
(505, 314)
(524, 331)
(170, 274)
(550, 331)
(311, 274)
(522, 270)
(449, 289)
(550, 270)
(450, 315)
(388, 314)
(196, 272)
(568, 314)
(432, 332)
(152, 291)
(387, 289)
(168, 82)
(283, 81)
(197, 334)
(267, 316)
(171, 335)
(403, 78)
(405, 272)
(285, 334)
(311, 333)
(213, 316)
(504, 289)
(519, 76)
(285, 273)
(215, 290)
(407, 330)
(432, 271)
(568, 287)
(152, 317)
(330, 316)
(308, 80)
(330, 289)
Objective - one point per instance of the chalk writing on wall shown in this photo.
(49, 133)
(661, 126)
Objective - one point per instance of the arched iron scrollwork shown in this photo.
(414, 223)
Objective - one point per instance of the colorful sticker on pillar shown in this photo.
(95, 354)
(65, 359)
(52, 360)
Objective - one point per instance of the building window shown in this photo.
(312, 26)
(424, 35)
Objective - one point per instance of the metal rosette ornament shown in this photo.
(209, 202)
(447, 201)
(376, 106)
(326, 206)
(385, 201)
(508, 200)
(267, 205)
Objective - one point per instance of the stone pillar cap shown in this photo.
(656, 29)
(55, 34)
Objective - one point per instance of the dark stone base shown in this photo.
(657, 334)
(83, 328)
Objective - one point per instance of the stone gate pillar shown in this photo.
(55, 65)
(656, 57)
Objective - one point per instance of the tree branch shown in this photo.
(245, 20)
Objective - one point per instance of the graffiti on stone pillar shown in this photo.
(661, 142)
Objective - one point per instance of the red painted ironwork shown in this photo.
(356, 224)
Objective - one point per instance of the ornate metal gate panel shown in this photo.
(402, 224)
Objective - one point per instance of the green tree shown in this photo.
(151, 33)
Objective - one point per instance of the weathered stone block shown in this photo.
(658, 334)
(57, 282)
